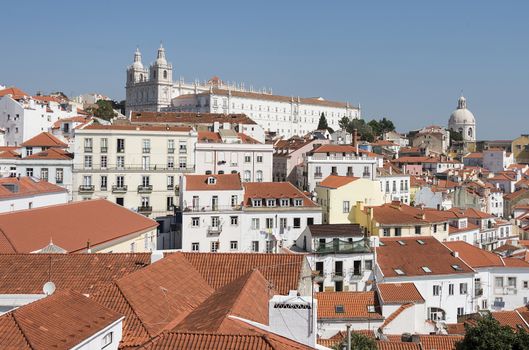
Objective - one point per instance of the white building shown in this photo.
(26, 193)
(340, 254)
(462, 120)
(23, 116)
(220, 213)
(226, 152)
(445, 282)
(500, 283)
(394, 184)
(154, 90)
(134, 166)
(340, 160)
(497, 159)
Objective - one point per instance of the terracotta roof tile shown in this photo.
(60, 321)
(474, 256)
(52, 153)
(399, 293)
(9, 154)
(336, 230)
(397, 213)
(223, 182)
(512, 319)
(332, 148)
(95, 221)
(44, 139)
(189, 118)
(274, 190)
(396, 345)
(411, 256)
(439, 342)
(335, 181)
(15, 92)
(355, 305)
(12, 187)
(128, 127)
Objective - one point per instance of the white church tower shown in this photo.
(149, 90)
(463, 121)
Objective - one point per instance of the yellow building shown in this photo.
(400, 220)
(520, 149)
(338, 194)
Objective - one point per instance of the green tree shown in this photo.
(343, 123)
(521, 342)
(358, 342)
(455, 136)
(322, 123)
(487, 334)
(102, 109)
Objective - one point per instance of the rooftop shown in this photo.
(128, 127)
(13, 187)
(397, 213)
(216, 182)
(399, 293)
(44, 139)
(348, 305)
(189, 118)
(335, 181)
(336, 230)
(274, 190)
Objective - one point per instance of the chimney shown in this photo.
(354, 139)
(455, 254)
(294, 317)
(88, 249)
(156, 255)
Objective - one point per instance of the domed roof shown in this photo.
(461, 115)
(137, 60)
(160, 58)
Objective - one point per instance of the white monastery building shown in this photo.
(153, 89)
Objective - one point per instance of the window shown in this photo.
(463, 288)
(88, 162)
(345, 206)
(170, 182)
(460, 311)
(259, 176)
(29, 151)
(182, 162)
(106, 340)
(426, 269)
(298, 202)
(368, 264)
(214, 246)
(120, 145)
(120, 162)
(511, 282)
(282, 222)
(247, 176)
(284, 202)
(397, 231)
(145, 202)
(195, 247)
(257, 202)
(436, 290)
(259, 159)
(234, 220)
(451, 289)
(435, 228)
(270, 202)
(269, 223)
(44, 174)
(29, 172)
(269, 246)
(255, 224)
(234, 200)
(120, 181)
(247, 158)
(103, 182)
(255, 246)
(498, 282)
(525, 284)
(170, 146)
(385, 232)
(103, 162)
(88, 145)
(104, 145)
(170, 162)
(146, 145)
(59, 175)
(182, 147)
(399, 272)
(417, 230)
(233, 245)
(297, 222)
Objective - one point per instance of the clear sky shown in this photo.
(406, 60)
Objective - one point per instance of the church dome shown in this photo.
(461, 116)
(137, 60)
(160, 57)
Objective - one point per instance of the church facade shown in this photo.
(153, 89)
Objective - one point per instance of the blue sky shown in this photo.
(406, 60)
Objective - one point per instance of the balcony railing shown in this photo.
(146, 150)
(318, 175)
(88, 149)
(182, 150)
(213, 208)
(142, 168)
(119, 189)
(145, 209)
(144, 188)
(170, 150)
(104, 149)
(86, 188)
(337, 275)
(212, 230)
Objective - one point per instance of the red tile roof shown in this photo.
(15, 92)
(476, 257)
(9, 154)
(355, 305)
(475, 155)
(51, 153)
(397, 345)
(60, 321)
(332, 148)
(189, 118)
(223, 182)
(70, 226)
(44, 139)
(12, 187)
(47, 98)
(128, 127)
(397, 213)
(411, 256)
(439, 342)
(215, 137)
(512, 319)
(335, 181)
(274, 190)
(399, 293)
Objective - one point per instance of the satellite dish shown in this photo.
(49, 288)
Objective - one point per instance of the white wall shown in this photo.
(32, 201)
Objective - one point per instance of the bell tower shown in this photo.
(161, 75)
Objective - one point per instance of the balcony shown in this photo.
(86, 188)
(337, 276)
(170, 150)
(104, 149)
(119, 189)
(88, 149)
(213, 208)
(340, 246)
(145, 209)
(144, 188)
(214, 230)
(478, 292)
(182, 150)
(366, 175)
(318, 175)
(146, 150)
(137, 168)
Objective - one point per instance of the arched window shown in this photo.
(259, 176)
(165, 74)
(436, 314)
(141, 77)
(247, 176)
(154, 74)
(469, 132)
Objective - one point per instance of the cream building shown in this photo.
(137, 167)
(153, 89)
(338, 194)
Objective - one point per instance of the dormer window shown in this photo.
(271, 202)
(284, 202)
(298, 202)
(399, 272)
(212, 180)
(257, 202)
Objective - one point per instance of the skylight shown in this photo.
(339, 309)
(370, 308)
(426, 269)
(399, 272)
(420, 241)
(401, 242)
(457, 267)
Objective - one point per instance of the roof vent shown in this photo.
(455, 254)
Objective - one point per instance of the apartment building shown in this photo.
(221, 213)
(134, 166)
(226, 152)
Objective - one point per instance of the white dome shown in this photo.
(137, 60)
(462, 117)
(137, 65)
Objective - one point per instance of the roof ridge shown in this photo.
(10, 243)
(21, 330)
